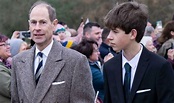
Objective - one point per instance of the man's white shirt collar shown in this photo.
(46, 50)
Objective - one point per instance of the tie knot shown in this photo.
(127, 67)
(40, 54)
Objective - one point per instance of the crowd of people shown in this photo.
(127, 61)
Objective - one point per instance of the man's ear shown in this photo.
(87, 35)
(133, 33)
(55, 22)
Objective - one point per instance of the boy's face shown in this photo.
(118, 40)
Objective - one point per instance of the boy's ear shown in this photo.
(133, 33)
(172, 33)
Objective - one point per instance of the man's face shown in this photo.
(40, 26)
(118, 40)
(95, 34)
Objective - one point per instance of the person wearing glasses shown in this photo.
(5, 72)
(89, 48)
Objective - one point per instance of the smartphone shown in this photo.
(159, 24)
(24, 34)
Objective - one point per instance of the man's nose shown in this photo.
(37, 26)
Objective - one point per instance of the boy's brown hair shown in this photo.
(128, 16)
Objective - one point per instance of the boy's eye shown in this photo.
(115, 31)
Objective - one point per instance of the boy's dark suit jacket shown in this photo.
(153, 81)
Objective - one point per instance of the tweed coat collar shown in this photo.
(51, 70)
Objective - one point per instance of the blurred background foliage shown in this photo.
(14, 13)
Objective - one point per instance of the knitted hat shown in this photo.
(15, 45)
(59, 28)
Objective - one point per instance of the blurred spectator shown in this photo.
(149, 31)
(170, 54)
(108, 57)
(17, 46)
(63, 24)
(89, 48)
(28, 41)
(149, 24)
(148, 43)
(5, 72)
(104, 48)
(93, 30)
(166, 39)
(60, 34)
(68, 44)
(73, 32)
(79, 34)
(21, 35)
(15, 35)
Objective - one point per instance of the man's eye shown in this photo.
(43, 22)
(33, 22)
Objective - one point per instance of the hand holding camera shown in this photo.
(15, 35)
(21, 34)
(24, 34)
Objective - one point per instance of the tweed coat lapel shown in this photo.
(26, 73)
(141, 68)
(52, 68)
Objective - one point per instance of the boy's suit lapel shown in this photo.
(117, 78)
(141, 69)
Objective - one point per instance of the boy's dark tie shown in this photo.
(127, 81)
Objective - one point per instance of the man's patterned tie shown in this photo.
(40, 66)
